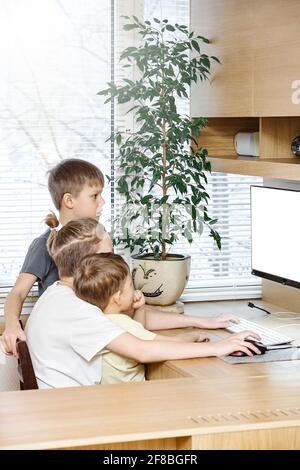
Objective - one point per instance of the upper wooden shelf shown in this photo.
(288, 169)
(276, 159)
(255, 88)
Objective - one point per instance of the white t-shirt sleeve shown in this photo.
(91, 333)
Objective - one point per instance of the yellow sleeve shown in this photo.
(131, 326)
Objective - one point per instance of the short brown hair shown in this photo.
(100, 276)
(72, 242)
(70, 176)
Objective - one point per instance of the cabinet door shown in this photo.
(229, 26)
(276, 58)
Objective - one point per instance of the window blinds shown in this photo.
(224, 274)
(55, 57)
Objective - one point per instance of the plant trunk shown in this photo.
(164, 189)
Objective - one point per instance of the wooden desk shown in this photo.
(216, 368)
(253, 413)
(210, 405)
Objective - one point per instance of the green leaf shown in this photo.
(129, 27)
(215, 59)
(195, 45)
(102, 92)
(200, 227)
(163, 200)
(207, 166)
(215, 235)
(170, 27)
(203, 39)
(206, 62)
(146, 199)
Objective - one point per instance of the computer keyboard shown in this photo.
(268, 337)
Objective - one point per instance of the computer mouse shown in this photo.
(259, 346)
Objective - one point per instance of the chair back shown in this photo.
(9, 377)
(28, 380)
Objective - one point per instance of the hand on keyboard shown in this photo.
(268, 337)
(235, 343)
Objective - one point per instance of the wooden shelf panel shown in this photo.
(276, 134)
(276, 159)
(218, 136)
(288, 169)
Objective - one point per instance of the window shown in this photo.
(55, 56)
(224, 274)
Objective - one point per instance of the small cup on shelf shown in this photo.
(247, 144)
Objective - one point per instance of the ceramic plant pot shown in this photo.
(161, 281)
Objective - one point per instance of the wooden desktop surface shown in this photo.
(184, 413)
(217, 368)
(209, 404)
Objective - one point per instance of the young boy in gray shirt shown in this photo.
(76, 190)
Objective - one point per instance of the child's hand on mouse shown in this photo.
(138, 299)
(236, 342)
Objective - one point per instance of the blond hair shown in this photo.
(100, 276)
(72, 242)
(70, 176)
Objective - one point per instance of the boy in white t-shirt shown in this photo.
(104, 280)
(66, 335)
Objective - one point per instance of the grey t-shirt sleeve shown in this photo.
(37, 260)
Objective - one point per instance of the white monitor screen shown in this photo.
(275, 215)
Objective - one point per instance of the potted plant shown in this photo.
(161, 171)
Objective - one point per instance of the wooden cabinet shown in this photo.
(257, 86)
(276, 59)
(258, 43)
(228, 25)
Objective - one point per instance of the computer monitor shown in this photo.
(275, 230)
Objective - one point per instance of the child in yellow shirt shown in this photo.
(104, 280)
